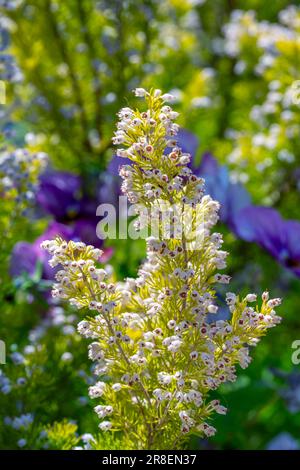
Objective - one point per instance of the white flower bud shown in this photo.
(140, 92)
(251, 298)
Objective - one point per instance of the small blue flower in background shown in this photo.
(22, 443)
(4, 39)
(10, 4)
(8, 69)
(284, 441)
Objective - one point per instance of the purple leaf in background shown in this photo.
(54, 229)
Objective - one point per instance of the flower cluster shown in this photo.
(19, 178)
(268, 138)
(20, 422)
(9, 70)
(157, 353)
(10, 4)
(19, 172)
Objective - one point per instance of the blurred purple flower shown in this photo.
(85, 230)
(261, 225)
(110, 182)
(188, 142)
(74, 219)
(24, 258)
(25, 255)
(115, 164)
(59, 194)
(232, 196)
(265, 226)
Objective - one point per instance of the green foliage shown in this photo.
(99, 51)
(62, 435)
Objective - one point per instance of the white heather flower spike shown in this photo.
(150, 337)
